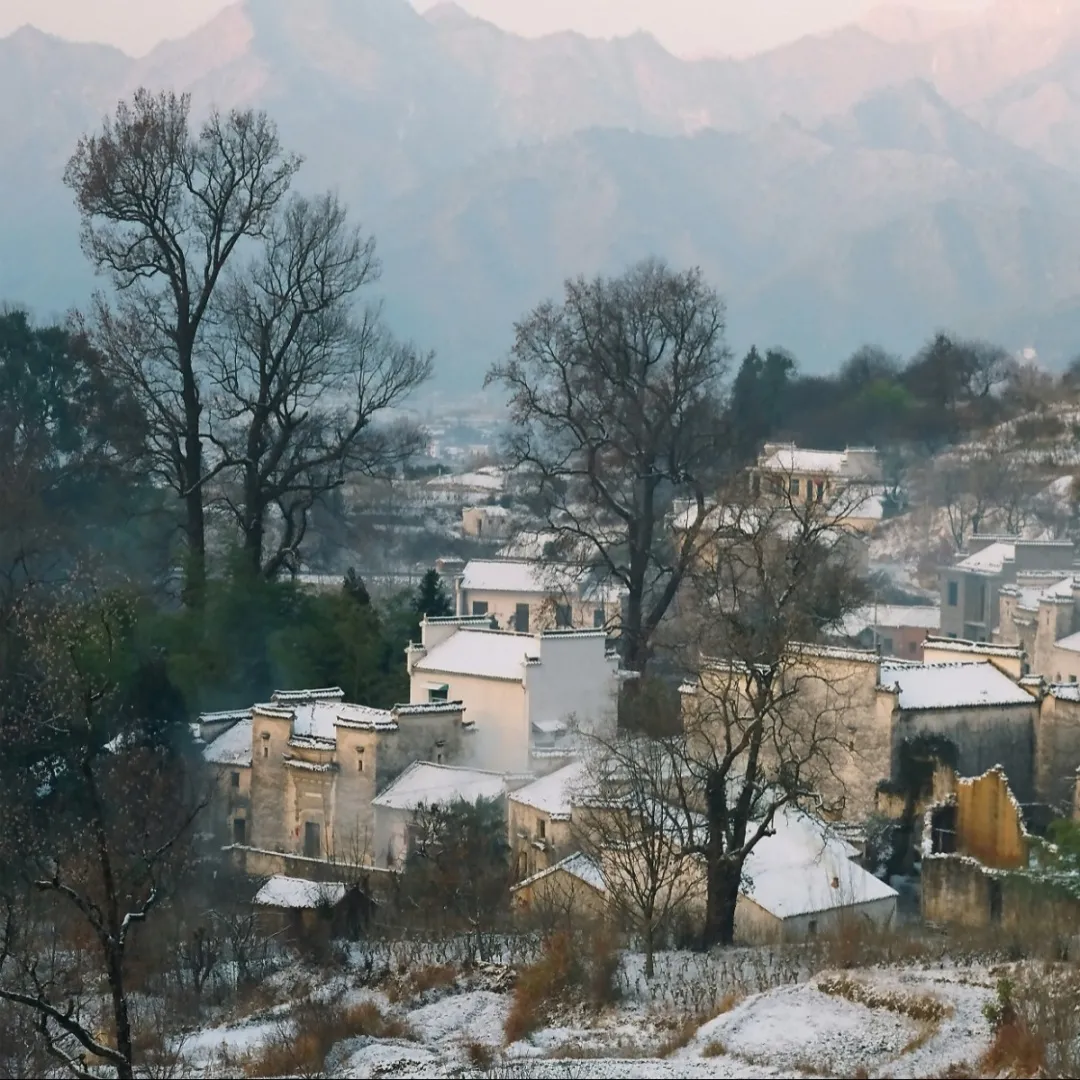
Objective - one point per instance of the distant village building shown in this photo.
(487, 522)
(539, 820)
(971, 587)
(463, 489)
(529, 595)
(892, 629)
(527, 694)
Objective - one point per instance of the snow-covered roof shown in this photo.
(578, 865)
(892, 616)
(991, 560)
(232, 746)
(551, 794)
(1069, 644)
(426, 784)
(289, 892)
(318, 719)
(952, 686)
(793, 459)
(518, 576)
(1065, 691)
(490, 511)
(481, 480)
(803, 869)
(984, 649)
(492, 654)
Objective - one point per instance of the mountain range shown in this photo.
(909, 173)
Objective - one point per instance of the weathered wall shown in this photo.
(984, 736)
(229, 803)
(988, 823)
(524, 828)
(561, 893)
(270, 743)
(1057, 750)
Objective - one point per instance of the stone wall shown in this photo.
(1057, 749)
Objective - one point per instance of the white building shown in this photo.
(525, 693)
(487, 522)
(424, 784)
(526, 596)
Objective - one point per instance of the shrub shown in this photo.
(713, 1048)
(923, 1007)
(552, 979)
(481, 1056)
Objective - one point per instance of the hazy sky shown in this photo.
(690, 27)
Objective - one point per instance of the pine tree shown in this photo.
(432, 600)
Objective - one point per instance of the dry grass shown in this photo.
(421, 980)
(566, 971)
(713, 1048)
(686, 1029)
(1014, 1051)
(921, 1007)
(481, 1056)
(300, 1047)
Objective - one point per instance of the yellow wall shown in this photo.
(988, 825)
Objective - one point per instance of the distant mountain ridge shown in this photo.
(876, 183)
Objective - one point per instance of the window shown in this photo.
(542, 828)
(598, 620)
(562, 616)
(820, 491)
(479, 607)
(954, 594)
(953, 636)
(811, 927)
(266, 750)
(1072, 678)
(235, 779)
(887, 645)
(521, 618)
(438, 693)
(312, 839)
(239, 830)
(795, 486)
(912, 648)
(359, 759)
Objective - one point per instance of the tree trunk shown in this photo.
(195, 526)
(723, 881)
(650, 949)
(121, 1020)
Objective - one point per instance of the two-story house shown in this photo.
(539, 820)
(531, 595)
(971, 587)
(526, 694)
(310, 763)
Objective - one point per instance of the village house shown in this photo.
(848, 481)
(486, 522)
(1043, 618)
(539, 820)
(227, 736)
(1008, 658)
(892, 629)
(869, 710)
(971, 587)
(528, 596)
(526, 694)
(800, 881)
(426, 784)
(463, 489)
(309, 765)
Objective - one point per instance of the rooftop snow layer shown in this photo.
(551, 794)
(991, 560)
(892, 616)
(231, 747)
(1069, 644)
(289, 892)
(426, 784)
(792, 459)
(318, 719)
(517, 576)
(579, 866)
(803, 868)
(952, 686)
(488, 653)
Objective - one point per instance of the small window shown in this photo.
(438, 758)
(239, 830)
(266, 750)
(912, 648)
(438, 693)
(562, 616)
(886, 645)
(360, 759)
(542, 828)
(954, 594)
(479, 607)
(1072, 678)
(811, 927)
(521, 618)
(820, 491)
(795, 486)
(312, 839)
(598, 619)
(235, 779)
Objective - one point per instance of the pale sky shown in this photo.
(688, 27)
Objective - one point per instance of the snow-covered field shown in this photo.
(910, 1021)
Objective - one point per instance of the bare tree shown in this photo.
(96, 835)
(615, 399)
(163, 211)
(299, 383)
(766, 717)
(627, 825)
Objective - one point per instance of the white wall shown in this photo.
(575, 678)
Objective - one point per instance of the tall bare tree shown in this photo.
(96, 831)
(299, 381)
(767, 718)
(628, 825)
(164, 208)
(616, 405)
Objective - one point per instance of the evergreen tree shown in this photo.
(432, 600)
